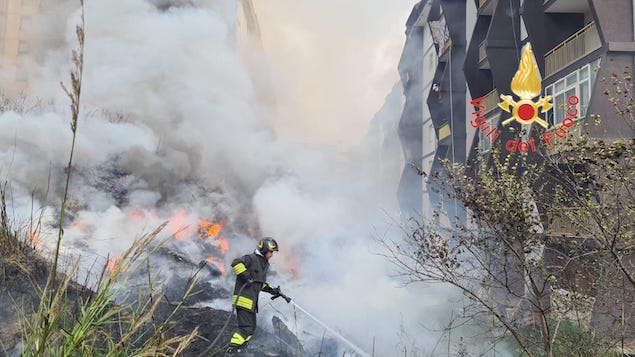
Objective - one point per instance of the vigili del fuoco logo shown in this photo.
(526, 85)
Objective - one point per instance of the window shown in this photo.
(576, 83)
(25, 22)
(23, 47)
(484, 141)
(523, 29)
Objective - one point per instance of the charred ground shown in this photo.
(22, 278)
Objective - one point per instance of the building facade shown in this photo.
(432, 126)
(471, 50)
(574, 43)
(17, 23)
(456, 51)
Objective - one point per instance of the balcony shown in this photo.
(572, 49)
(563, 224)
(491, 101)
(486, 7)
(447, 44)
(444, 131)
(482, 55)
(443, 53)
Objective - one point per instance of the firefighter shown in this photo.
(251, 275)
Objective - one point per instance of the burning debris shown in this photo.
(286, 338)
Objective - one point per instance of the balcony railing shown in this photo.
(444, 131)
(482, 54)
(562, 224)
(486, 7)
(491, 101)
(443, 53)
(447, 44)
(573, 48)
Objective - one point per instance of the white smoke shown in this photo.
(191, 135)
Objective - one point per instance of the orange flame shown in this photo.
(35, 240)
(136, 214)
(223, 245)
(292, 266)
(177, 224)
(209, 229)
(294, 269)
(111, 263)
(79, 224)
(220, 267)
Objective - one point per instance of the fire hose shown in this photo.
(357, 349)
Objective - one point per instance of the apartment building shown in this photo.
(478, 43)
(17, 21)
(472, 49)
(432, 126)
(574, 43)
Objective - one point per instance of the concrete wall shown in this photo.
(17, 21)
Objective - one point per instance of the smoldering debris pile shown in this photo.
(210, 322)
(193, 253)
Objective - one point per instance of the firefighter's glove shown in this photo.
(276, 292)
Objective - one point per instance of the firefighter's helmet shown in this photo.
(267, 244)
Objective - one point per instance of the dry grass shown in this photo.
(17, 257)
(94, 325)
(73, 321)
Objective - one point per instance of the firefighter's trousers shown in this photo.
(246, 327)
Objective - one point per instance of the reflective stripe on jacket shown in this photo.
(251, 266)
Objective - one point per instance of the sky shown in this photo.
(180, 123)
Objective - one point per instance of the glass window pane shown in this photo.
(584, 98)
(548, 90)
(565, 105)
(549, 117)
(25, 22)
(559, 108)
(584, 72)
(559, 87)
(523, 29)
(572, 78)
(569, 93)
(23, 47)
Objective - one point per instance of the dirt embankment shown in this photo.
(20, 297)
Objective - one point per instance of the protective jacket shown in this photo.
(251, 266)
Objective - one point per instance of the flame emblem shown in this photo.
(526, 85)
